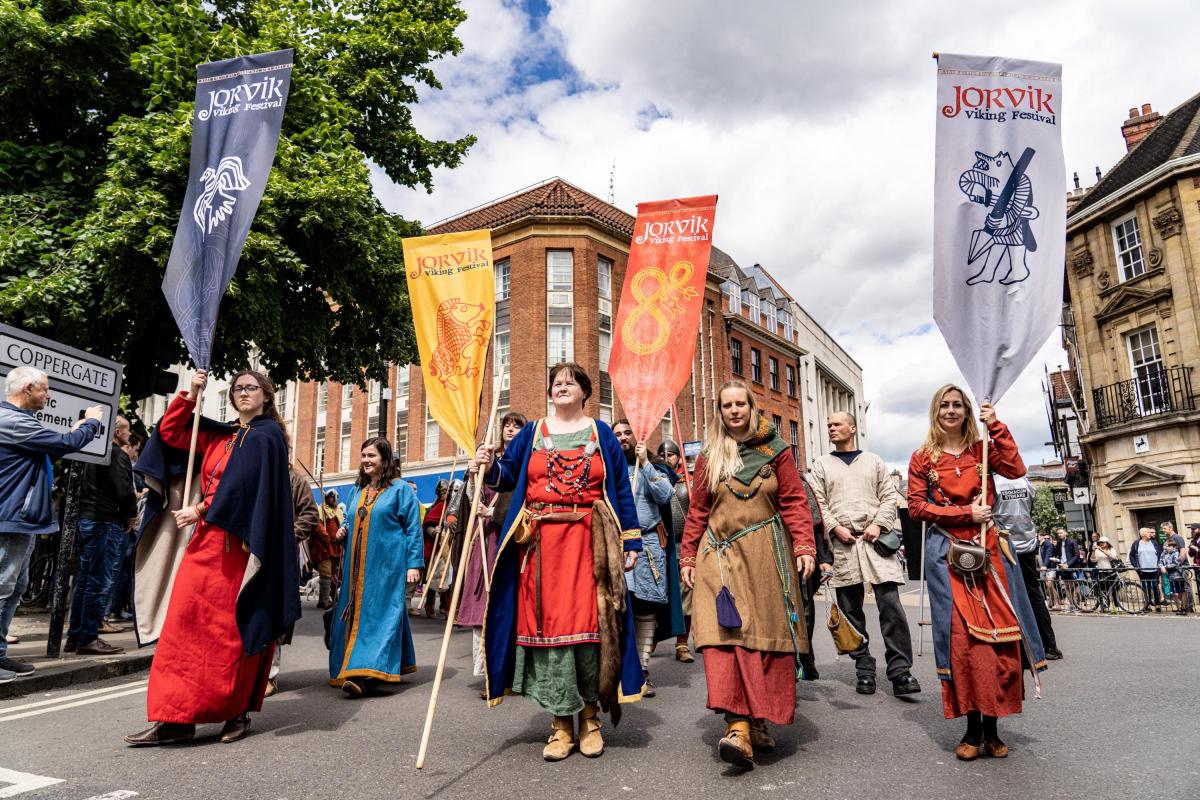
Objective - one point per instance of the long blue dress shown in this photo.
(371, 636)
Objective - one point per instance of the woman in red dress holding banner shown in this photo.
(981, 621)
(234, 591)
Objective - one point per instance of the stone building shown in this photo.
(560, 255)
(1131, 325)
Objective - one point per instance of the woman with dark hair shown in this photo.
(558, 621)
(234, 584)
(371, 642)
(493, 506)
(983, 623)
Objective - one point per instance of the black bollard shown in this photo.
(66, 551)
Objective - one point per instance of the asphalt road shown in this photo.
(1121, 719)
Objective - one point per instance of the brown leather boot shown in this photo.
(591, 743)
(735, 747)
(682, 653)
(760, 738)
(561, 741)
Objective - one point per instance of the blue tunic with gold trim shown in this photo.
(371, 636)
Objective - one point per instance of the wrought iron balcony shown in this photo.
(1153, 392)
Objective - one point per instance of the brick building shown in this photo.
(560, 255)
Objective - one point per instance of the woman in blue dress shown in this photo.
(371, 642)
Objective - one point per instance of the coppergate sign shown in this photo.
(78, 380)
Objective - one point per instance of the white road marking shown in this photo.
(65, 706)
(23, 782)
(119, 794)
(65, 698)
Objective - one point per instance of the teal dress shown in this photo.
(371, 636)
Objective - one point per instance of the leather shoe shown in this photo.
(108, 627)
(966, 751)
(98, 647)
(905, 684)
(70, 646)
(735, 747)
(865, 685)
(353, 688)
(683, 654)
(995, 749)
(162, 733)
(1053, 654)
(760, 738)
(235, 729)
(272, 688)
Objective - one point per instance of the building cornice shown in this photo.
(755, 331)
(1104, 205)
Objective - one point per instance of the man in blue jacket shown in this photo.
(26, 479)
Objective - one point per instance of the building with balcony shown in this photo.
(560, 255)
(1132, 325)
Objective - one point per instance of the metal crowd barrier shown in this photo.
(1122, 590)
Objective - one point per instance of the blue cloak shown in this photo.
(941, 605)
(375, 639)
(508, 474)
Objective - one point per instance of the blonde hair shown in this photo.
(721, 455)
(935, 440)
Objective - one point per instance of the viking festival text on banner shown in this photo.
(453, 295)
(999, 214)
(235, 130)
(659, 315)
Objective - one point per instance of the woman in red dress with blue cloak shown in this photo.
(234, 575)
(983, 625)
(559, 624)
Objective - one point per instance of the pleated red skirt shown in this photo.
(201, 672)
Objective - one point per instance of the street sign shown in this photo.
(78, 380)
(1081, 496)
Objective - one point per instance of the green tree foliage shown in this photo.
(1046, 516)
(95, 107)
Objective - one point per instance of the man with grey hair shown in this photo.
(26, 506)
(859, 504)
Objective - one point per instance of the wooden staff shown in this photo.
(443, 529)
(191, 463)
(687, 479)
(454, 595)
(983, 526)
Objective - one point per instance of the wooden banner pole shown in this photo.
(454, 596)
(191, 462)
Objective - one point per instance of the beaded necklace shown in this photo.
(567, 474)
(372, 494)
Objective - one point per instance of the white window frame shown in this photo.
(433, 436)
(1150, 386)
(1136, 264)
(734, 293)
(503, 274)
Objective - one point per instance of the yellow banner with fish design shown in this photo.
(453, 295)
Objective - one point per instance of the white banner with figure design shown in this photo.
(999, 214)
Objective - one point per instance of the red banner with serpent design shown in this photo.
(654, 338)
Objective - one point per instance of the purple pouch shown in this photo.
(727, 612)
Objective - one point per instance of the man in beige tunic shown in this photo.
(858, 503)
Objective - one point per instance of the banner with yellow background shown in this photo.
(453, 296)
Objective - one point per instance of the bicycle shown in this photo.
(1103, 589)
(41, 571)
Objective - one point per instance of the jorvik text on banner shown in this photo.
(453, 295)
(235, 130)
(999, 214)
(659, 313)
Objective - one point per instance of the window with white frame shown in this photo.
(791, 379)
(319, 449)
(1146, 363)
(734, 293)
(402, 385)
(794, 431)
(560, 313)
(755, 365)
(433, 438)
(374, 393)
(769, 317)
(751, 301)
(773, 371)
(789, 332)
(1127, 240)
(503, 272)
(668, 425)
(605, 291)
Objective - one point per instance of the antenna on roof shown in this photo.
(612, 180)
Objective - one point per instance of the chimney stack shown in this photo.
(1139, 125)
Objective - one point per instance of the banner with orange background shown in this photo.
(654, 339)
(452, 292)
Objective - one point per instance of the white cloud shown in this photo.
(814, 124)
